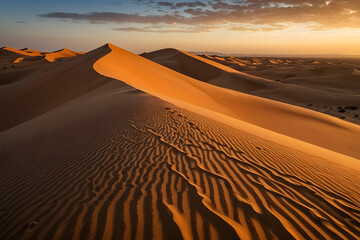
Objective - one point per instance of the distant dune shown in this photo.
(13, 51)
(49, 56)
(111, 145)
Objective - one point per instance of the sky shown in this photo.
(226, 26)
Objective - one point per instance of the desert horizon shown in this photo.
(141, 124)
(219, 54)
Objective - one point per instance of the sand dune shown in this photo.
(95, 158)
(30, 54)
(302, 124)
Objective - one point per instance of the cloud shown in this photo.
(319, 14)
(190, 4)
(256, 28)
(165, 4)
(160, 29)
(104, 17)
(182, 4)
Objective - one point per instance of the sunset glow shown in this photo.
(247, 26)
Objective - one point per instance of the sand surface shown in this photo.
(110, 145)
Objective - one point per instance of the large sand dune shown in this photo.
(180, 159)
(302, 124)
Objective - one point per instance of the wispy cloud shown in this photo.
(165, 29)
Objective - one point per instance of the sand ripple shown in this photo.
(174, 174)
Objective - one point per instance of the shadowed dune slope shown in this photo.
(302, 124)
(121, 164)
(47, 88)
